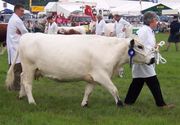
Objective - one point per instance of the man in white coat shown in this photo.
(52, 27)
(100, 25)
(15, 30)
(120, 26)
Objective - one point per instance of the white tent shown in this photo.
(102, 4)
(173, 5)
(9, 6)
(131, 7)
(67, 9)
(51, 7)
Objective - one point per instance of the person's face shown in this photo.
(99, 18)
(50, 21)
(117, 18)
(20, 12)
(154, 23)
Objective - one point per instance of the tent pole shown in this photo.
(140, 2)
(30, 4)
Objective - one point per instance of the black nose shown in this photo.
(152, 61)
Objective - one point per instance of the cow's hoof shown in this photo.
(32, 103)
(84, 105)
(9, 88)
(120, 103)
(20, 97)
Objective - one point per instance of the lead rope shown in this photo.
(159, 58)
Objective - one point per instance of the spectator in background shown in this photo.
(100, 12)
(110, 16)
(51, 27)
(63, 19)
(59, 20)
(36, 27)
(120, 26)
(174, 36)
(1, 18)
(29, 26)
(15, 30)
(100, 25)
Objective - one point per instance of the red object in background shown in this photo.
(3, 27)
(88, 11)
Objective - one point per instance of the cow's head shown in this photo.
(138, 53)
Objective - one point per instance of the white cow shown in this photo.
(76, 57)
(109, 29)
(80, 29)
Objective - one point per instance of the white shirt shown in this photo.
(100, 27)
(52, 28)
(118, 28)
(14, 24)
(146, 35)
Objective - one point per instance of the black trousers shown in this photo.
(137, 85)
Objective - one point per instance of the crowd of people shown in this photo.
(141, 73)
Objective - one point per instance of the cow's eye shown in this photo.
(140, 47)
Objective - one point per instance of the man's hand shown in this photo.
(124, 29)
(18, 31)
(111, 34)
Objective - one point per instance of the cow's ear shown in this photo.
(132, 43)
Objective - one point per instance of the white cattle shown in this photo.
(110, 29)
(76, 57)
(80, 29)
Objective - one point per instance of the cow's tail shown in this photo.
(10, 73)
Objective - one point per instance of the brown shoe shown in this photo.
(168, 106)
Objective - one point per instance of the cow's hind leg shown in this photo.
(88, 90)
(27, 79)
(22, 92)
(106, 82)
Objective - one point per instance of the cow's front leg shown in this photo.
(88, 90)
(106, 82)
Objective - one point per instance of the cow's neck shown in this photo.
(122, 53)
(120, 57)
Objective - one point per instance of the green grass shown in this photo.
(59, 104)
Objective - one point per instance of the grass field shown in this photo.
(59, 104)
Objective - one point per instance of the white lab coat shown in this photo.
(14, 24)
(146, 35)
(51, 28)
(100, 27)
(118, 28)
